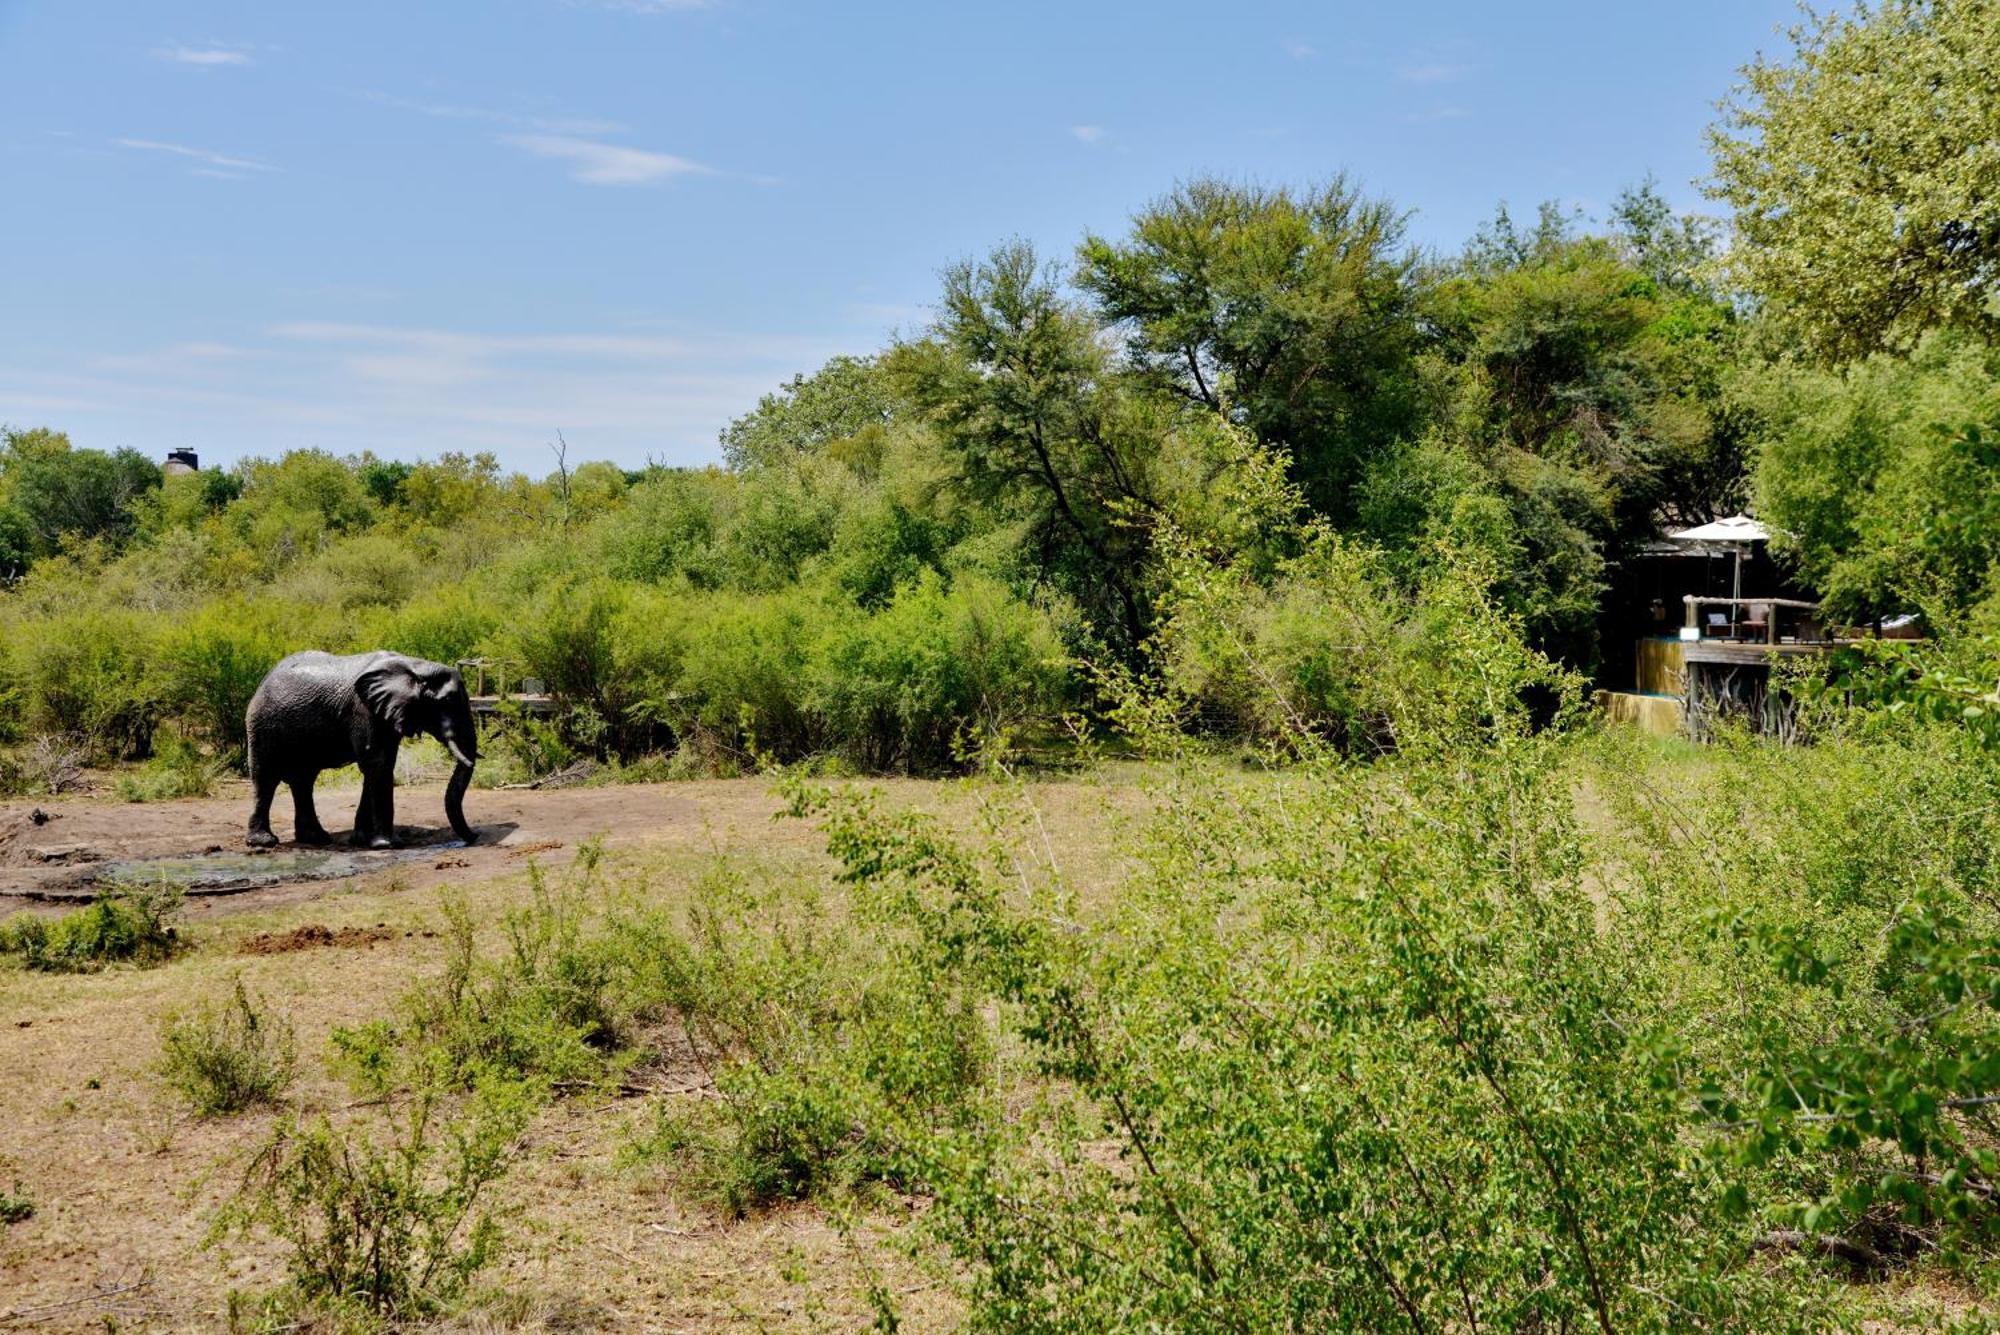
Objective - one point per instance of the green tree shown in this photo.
(1021, 391)
(1864, 175)
(59, 492)
(1295, 309)
(843, 398)
(1881, 479)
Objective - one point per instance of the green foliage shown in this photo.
(132, 926)
(226, 1055)
(1346, 1043)
(87, 674)
(1880, 479)
(210, 663)
(1016, 383)
(177, 769)
(841, 400)
(393, 1223)
(60, 493)
(829, 1042)
(1866, 195)
(538, 1012)
(1816, 931)
(1296, 307)
(905, 687)
(17, 1207)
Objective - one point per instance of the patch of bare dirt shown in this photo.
(58, 851)
(314, 936)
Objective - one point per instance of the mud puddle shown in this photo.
(233, 873)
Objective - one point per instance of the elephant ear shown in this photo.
(391, 693)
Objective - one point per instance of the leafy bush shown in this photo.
(177, 769)
(225, 1056)
(210, 664)
(392, 1224)
(127, 926)
(1818, 931)
(903, 687)
(814, 1030)
(17, 1207)
(87, 674)
(748, 662)
(541, 1011)
(1349, 1043)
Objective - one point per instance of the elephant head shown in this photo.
(410, 696)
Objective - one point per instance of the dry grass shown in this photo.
(125, 1181)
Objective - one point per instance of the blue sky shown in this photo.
(423, 225)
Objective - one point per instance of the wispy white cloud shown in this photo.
(1088, 134)
(576, 125)
(1436, 115)
(594, 162)
(212, 164)
(1299, 50)
(412, 390)
(1431, 72)
(207, 56)
(177, 357)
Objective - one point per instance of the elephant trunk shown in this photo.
(454, 801)
(461, 741)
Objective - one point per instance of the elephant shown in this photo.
(316, 711)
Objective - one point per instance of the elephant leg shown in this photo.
(375, 818)
(306, 828)
(385, 806)
(364, 813)
(260, 835)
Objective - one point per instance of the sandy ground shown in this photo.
(58, 850)
(126, 1183)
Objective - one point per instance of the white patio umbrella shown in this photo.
(1735, 535)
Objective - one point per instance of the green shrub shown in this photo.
(1347, 1046)
(815, 1031)
(443, 625)
(88, 674)
(1818, 932)
(539, 1011)
(177, 769)
(16, 1208)
(908, 686)
(127, 926)
(209, 665)
(747, 670)
(225, 1056)
(390, 1224)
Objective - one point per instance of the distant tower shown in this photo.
(181, 461)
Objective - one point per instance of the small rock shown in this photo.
(40, 817)
(64, 854)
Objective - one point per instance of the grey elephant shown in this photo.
(317, 711)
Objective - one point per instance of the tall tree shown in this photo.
(1865, 174)
(1294, 310)
(1019, 386)
(61, 492)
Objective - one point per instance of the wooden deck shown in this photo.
(1749, 653)
(541, 706)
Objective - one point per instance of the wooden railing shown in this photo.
(1770, 624)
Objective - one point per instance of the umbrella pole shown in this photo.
(1736, 589)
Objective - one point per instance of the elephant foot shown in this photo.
(261, 839)
(316, 838)
(381, 841)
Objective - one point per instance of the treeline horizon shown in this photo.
(952, 534)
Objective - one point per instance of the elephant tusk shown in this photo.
(456, 754)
